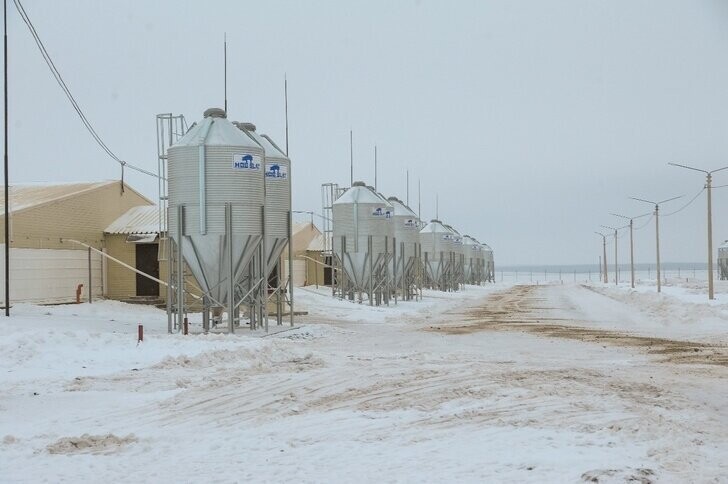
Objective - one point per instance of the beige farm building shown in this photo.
(46, 267)
(43, 267)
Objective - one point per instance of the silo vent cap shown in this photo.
(358, 184)
(214, 113)
(393, 199)
(247, 126)
(435, 221)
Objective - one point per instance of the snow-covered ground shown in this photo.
(548, 383)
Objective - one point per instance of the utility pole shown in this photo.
(600, 269)
(709, 187)
(351, 158)
(616, 265)
(605, 272)
(7, 194)
(657, 232)
(631, 240)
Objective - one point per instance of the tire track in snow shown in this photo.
(516, 309)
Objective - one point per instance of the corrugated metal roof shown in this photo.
(143, 219)
(27, 195)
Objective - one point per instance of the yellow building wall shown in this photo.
(314, 271)
(82, 217)
(121, 281)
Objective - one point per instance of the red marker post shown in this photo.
(140, 334)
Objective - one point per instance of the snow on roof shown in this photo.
(400, 209)
(316, 244)
(299, 226)
(27, 195)
(436, 227)
(360, 194)
(216, 132)
(143, 219)
(271, 151)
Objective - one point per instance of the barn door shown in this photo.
(146, 261)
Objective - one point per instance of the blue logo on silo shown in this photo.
(378, 212)
(245, 162)
(410, 223)
(276, 171)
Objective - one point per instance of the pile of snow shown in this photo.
(678, 312)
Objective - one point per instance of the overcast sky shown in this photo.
(532, 120)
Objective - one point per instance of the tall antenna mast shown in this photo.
(408, 188)
(285, 95)
(351, 157)
(419, 198)
(375, 168)
(437, 206)
(225, 68)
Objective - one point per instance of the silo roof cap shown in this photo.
(214, 113)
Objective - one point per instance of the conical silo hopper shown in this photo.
(488, 263)
(471, 265)
(723, 261)
(277, 194)
(215, 178)
(458, 256)
(359, 214)
(436, 247)
(406, 232)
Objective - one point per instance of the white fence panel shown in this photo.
(44, 276)
(299, 272)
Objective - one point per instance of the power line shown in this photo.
(59, 79)
(686, 205)
(645, 224)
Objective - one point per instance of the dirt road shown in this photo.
(531, 309)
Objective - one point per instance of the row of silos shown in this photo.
(383, 251)
(229, 220)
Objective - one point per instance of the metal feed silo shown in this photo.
(489, 263)
(458, 257)
(437, 246)
(215, 181)
(277, 194)
(406, 232)
(723, 261)
(471, 264)
(361, 233)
